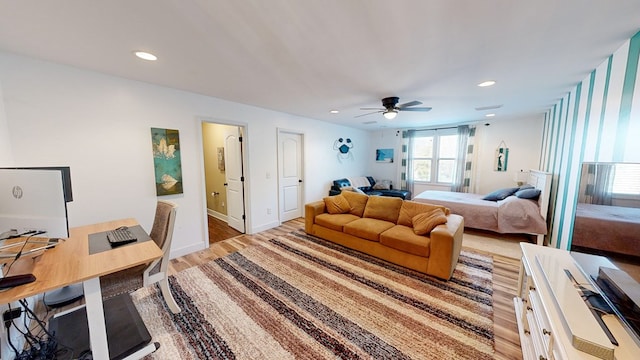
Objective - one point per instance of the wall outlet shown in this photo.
(268, 211)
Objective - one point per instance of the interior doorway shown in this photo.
(290, 172)
(224, 179)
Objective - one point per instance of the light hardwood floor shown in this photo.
(505, 282)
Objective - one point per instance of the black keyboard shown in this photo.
(120, 236)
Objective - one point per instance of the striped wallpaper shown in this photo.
(599, 120)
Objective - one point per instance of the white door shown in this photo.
(234, 179)
(290, 175)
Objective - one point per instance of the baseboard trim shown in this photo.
(264, 227)
(217, 215)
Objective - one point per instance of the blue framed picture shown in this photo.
(384, 155)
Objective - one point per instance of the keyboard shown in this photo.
(120, 236)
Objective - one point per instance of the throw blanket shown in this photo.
(361, 181)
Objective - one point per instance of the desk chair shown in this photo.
(129, 280)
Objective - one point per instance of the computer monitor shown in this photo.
(33, 200)
(66, 178)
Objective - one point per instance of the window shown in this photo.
(626, 178)
(434, 156)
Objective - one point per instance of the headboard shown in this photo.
(541, 180)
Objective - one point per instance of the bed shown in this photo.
(607, 228)
(508, 216)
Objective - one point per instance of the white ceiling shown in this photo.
(306, 57)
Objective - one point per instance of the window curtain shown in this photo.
(464, 165)
(406, 176)
(600, 184)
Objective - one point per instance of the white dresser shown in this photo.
(553, 320)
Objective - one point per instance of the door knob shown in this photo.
(225, 184)
(299, 180)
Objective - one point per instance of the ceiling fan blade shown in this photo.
(374, 112)
(372, 109)
(410, 103)
(417, 109)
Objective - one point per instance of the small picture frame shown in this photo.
(384, 155)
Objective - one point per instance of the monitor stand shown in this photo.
(63, 296)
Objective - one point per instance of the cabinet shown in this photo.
(553, 320)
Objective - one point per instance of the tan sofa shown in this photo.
(419, 236)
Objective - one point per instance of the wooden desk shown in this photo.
(69, 263)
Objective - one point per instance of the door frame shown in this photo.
(245, 169)
(302, 168)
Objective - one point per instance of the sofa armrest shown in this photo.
(446, 243)
(311, 210)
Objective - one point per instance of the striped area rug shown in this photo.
(300, 297)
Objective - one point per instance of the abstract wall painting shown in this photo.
(166, 161)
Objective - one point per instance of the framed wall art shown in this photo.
(166, 161)
(384, 155)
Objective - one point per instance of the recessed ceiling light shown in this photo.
(145, 55)
(334, 111)
(490, 115)
(486, 83)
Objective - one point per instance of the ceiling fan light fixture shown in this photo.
(390, 114)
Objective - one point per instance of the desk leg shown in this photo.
(95, 319)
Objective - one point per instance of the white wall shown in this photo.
(523, 137)
(6, 156)
(100, 126)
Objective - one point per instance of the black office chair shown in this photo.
(129, 280)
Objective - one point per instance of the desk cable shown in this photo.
(42, 345)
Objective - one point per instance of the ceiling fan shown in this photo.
(391, 107)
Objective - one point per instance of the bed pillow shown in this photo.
(500, 194)
(532, 194)
(527, 186)
(337, 204)
(423, 223)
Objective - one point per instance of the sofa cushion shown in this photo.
(367, 228)
(335, 221)
(337, 204)
(403, 238)
(383, 208)
(410, 209)
(357, 202)
(423, 223)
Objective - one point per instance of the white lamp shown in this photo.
(390, 114)
(520, 177)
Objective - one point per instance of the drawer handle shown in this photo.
(529, 308)
(532, 288)
(542, 358)
(546, 332)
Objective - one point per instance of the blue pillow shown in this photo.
(532, 194)
(527, 186)
(500, 194)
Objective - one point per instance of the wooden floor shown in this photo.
(219, 230)
(505, 282)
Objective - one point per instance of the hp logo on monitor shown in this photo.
(17, 192)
